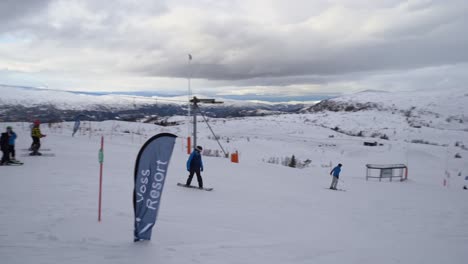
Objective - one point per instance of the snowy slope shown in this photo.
(433, 117)
(258, 212)
(445, 102)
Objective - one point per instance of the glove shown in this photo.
(44, 135)
(201, 169)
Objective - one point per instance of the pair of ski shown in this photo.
(34, 155)
(210, 189)
(341, 190)
(42, 149)
(193, 187)
(13, 163)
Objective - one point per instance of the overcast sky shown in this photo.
(264, 47)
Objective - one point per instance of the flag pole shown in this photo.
(189, 94)
(101, 161)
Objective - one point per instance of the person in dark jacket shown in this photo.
(11, 142)
(336, 175)
(194, 166)
(5, 148)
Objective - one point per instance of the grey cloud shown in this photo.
(75, 32)
(243, 51)
(433, 17)
(11, 9)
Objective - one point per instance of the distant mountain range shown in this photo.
(19, 103)
(441, 109)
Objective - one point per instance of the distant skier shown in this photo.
(11, 143)
(336, 175)
(195, 165)
(36, 137)
(5, 148)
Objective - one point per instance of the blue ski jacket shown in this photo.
(336, 171)
(11, 139)
(195, 161)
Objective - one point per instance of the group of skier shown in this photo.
(7, 144)
(195, 166)
(8, 140)
(194, 162)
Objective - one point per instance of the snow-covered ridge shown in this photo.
(446, 102)
(25, 104)
(444, 109)
(65, 100)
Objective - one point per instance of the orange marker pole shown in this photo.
(189, 145)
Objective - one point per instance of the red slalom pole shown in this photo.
(189, 145)
(101, 162)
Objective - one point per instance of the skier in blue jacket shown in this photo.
(11, 142)
(194, 166)
(336, 175)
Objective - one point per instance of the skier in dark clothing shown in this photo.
(11, 142)
(195, 165)
(336, 175)
(5, 148)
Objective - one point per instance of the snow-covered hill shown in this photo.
(26, 103)
(63, 100)
(257, 213)
(372, 111)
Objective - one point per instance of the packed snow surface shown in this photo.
(257, 213)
